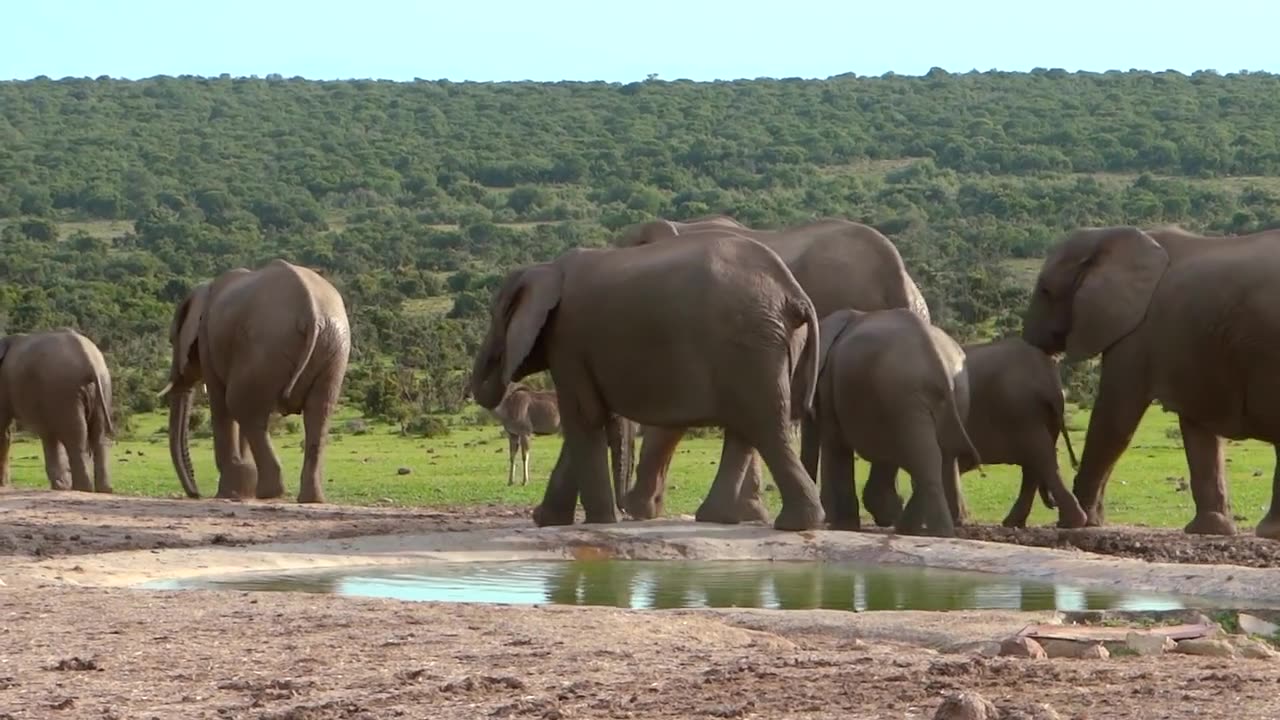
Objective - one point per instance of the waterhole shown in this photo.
(641, 584)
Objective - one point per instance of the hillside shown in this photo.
(116, 196)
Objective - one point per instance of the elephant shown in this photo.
(272, 339)
(716, 332)
(838, 263)
(56, 383)
(1015, 416)
(893, 388)
(525, 411)
(1187, 320)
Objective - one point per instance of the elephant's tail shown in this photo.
(100, 390)
(312, 330)
(1071, 453)
(804, 373)
(964, 433)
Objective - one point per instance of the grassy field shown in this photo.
(468, 466)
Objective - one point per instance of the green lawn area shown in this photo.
(468, 466)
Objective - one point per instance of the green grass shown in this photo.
(468, 466)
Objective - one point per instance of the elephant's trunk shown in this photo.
(179, 445)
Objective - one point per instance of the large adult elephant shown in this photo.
(56, 383)
(1190, 321)
(273, 339)
(716, 332)
(839, 264)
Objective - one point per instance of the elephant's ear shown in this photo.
(830, 330)
(186, 325)
(1119, 277)
(535, 295)
(4, 348)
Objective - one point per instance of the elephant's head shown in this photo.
(1093, 290)
(647, 233)
(511, 348)
(184, 373)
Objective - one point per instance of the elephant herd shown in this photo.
(708, 322)
(274, 339)
(711, 323)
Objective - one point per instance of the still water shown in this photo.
(642, 584)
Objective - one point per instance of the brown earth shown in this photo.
(84, 652)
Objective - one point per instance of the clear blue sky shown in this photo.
(623, 40)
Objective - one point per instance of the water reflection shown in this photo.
(687, 584)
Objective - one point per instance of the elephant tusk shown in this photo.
(168, 386)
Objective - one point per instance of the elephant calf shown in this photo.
(892, 388)
(1015, 416)
(57, 384)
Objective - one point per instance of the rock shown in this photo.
(1034, 711)
(403, 471)
(1255, 650)
(1258, 626)
(966, 706)
(1206, 646)
(1023, 647)
(1147, 644)
(985, 648)
(1088, 650)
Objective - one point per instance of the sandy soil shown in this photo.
(88, 652)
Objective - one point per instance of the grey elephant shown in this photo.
(892, 388)
(1187, 320)
(1015, 415)
(273, 339)
(838, 263)
(716, 332)
(525, 412)
(56, 383)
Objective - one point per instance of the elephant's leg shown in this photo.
(513, 448)
(1021, 510)
(721, 503)
(1123, 398)
(560, 499)
(622, 447)
(99, 448)
(657, 447)
(1269, 527)
(588, 469)
(880, 494)
(1208, 469)
(316, 412)
(1042, 473)
(751, 507)
(836, 483)
(6, 438)
(928, 503)
(55, 463)
(236, 478)
(75, 438)
(951, 488)
(801, 509)
(270, 479)
(524, 458)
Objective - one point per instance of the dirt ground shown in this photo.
(85, 652)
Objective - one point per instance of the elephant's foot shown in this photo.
(799, 516)
(850, 524)
(722, 514)
(82, 486)
(1210, 523)
(884, 509)
(104, 488)
(609, 514)
(237, 481)
(1269, 527)
(1071, 516)
(752, 510)
(543, 517)
(1014, 521)
(641, 506)
(310, 493)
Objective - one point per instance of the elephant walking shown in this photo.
(274, 339)
(1015, 416)
(716, 332)
(1187, 320)
(893, 389)
(838, 263)
(525, 412)
(56, 383)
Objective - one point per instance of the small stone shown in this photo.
(1023, 647)
(1258, 626)
(1056, 648)
(1206, 646)
(1254, 650)
(966, 705)
(1148, 644)
(403, 471)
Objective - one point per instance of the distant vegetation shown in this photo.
(117, 196)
